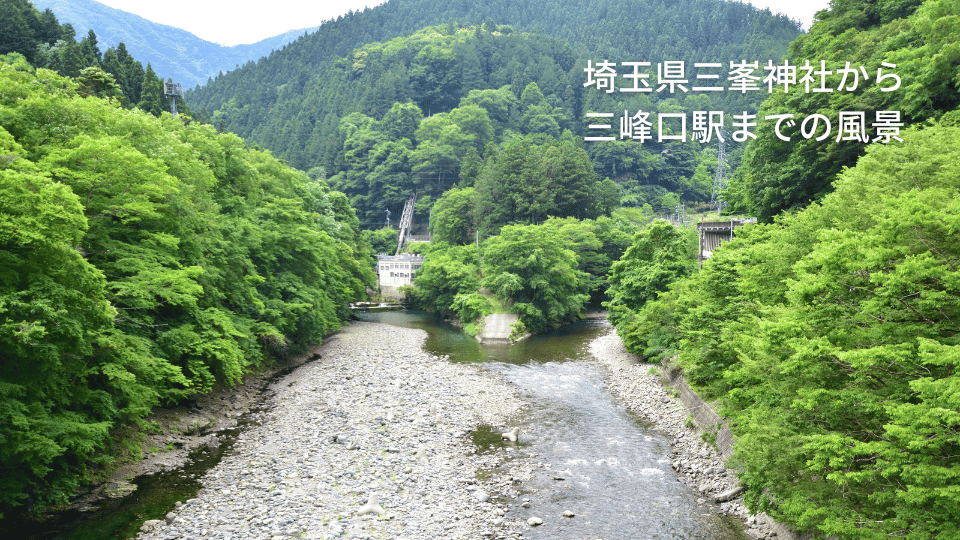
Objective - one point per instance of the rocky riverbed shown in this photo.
(698, 463)
(374, 440)
(370, 441)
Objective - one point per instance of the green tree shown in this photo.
(382, 240)
(91, 52)
(784, 175)
(501, 105)
(151, 93)
(142, 261)
(528, 268)
(452, 218)
(537, 116)
(402, 121)
(659, 255)
(16, 33)
(525, 182)
(829, 339)
(98, 83)
(448, 273)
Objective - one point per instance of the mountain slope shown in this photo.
(172, 52)
(269, 101)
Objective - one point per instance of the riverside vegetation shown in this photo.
(147, 259)
(144, 261)
(829, 337)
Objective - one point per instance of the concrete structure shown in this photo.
(713, 233)
(708, 422)
(394, 271)
(497, 328)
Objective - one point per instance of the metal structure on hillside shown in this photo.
(172, 91)
(718, 179)
(406, 222)
(710, 234)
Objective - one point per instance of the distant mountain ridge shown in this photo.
(293, 101)
(171, 51)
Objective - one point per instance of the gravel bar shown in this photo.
(375, 417)
(698, 464)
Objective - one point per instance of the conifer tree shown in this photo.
(151, 93)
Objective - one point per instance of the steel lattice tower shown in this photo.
(718, 179)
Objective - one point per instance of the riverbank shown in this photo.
(698, 463)
(376, 415)
(170, 435)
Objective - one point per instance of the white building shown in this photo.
(397, 270)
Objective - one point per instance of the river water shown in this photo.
(606, 466)
(615, 470)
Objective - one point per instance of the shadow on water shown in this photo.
(156, 494)
(120, 519)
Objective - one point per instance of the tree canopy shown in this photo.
(143, 261)
(830, 340)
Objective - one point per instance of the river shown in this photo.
(615, 469)
(606, 466)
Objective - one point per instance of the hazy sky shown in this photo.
(231, 22)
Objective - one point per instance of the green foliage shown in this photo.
(470, 307)
(597, 243)
(382, 240)
(830, 340)
(528, 268)
(518, 330)
(98, 83)
(448, 279)
(528, 182)
(143, 261)
(151, 93)
(41, 39)
(922, 42)
(527, 79)
(659, 255)
(452, 217)
(335, 71)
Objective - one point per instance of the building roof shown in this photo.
(403, 257)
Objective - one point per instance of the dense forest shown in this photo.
(306, 101)
(148, 257)
(45, 43)
(829, 336)
(782, 175)
(143, 261)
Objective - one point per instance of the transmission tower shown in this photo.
(173, 91)
(718, 179)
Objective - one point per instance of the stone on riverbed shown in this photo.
(290, 472)
(372, 507)
(511, 435)
(729, 495)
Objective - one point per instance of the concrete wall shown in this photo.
(391, 293)
(497, 327)
(706, 420)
